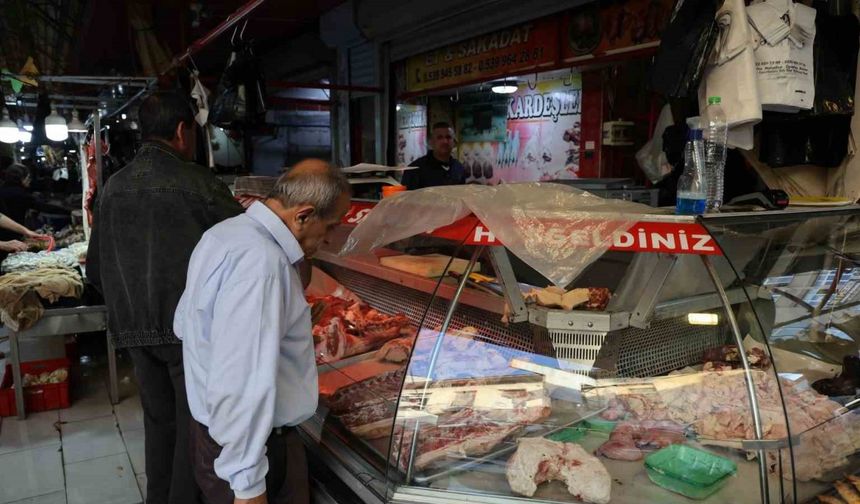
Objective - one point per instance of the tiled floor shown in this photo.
(90, 453)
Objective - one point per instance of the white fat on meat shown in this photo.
(538, 460)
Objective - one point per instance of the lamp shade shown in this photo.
(24, 136)
(75, 125)
(8, 129)
(56, 128)
(504, 88)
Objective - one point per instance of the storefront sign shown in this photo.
(498, 54)
(662, 237)
(482, 118)
(411, 133)
(611, 27)
(542, 138)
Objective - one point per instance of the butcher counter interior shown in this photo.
(729, 376)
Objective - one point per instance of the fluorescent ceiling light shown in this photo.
(504, 87)
(8, 129)
(710, 319)
(24, 136)
(56, 128)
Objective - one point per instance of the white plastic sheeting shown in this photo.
(556, 229)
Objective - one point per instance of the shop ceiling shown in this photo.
(101, 37)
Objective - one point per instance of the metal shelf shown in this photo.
(60, 321)
(370, 266)
(64, 321)
(578, 320)
(581, 320)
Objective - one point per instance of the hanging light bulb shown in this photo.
(24, 135)
(75, 125)
(26, 124)
(503, 87)
(8, 129)
(56, 128)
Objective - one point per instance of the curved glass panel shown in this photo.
(802, 282)
(596, 402)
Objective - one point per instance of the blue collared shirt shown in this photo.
(246, 341)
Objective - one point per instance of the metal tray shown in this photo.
(467, 463)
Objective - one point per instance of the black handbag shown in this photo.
(685, 47)
(239, 100)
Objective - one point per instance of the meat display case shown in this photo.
(715, 369)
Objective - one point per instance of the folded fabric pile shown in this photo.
(68, 258)
(20, 293)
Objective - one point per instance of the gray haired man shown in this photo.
(247, 346)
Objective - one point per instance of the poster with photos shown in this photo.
(541, 140)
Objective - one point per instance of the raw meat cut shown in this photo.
(345, 328)
(728, 357)
(460, 435)
(367, 392)
(467, 433)
(598, 298)
(716, 405)
(396, 350)
(629, 439)
(539, 460)
(591, 298)
(331, 339)
(373, 421)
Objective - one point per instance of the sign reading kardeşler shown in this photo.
(527, 46)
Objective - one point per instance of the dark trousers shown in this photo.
(161, 380)
(286, 481)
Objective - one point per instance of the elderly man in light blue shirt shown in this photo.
(247, 344)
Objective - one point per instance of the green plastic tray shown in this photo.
(600, 425)
(569, 434)
(688, 471)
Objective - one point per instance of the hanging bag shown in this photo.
(685, 46)
(240, 97)
(784, 34)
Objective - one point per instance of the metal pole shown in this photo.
(114, 386)
(225, 25)
(437, 347)
(97, 138)
(131, 100)
(751, 391)
(513, 294)
(16, 375)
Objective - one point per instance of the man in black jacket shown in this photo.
(148, 221)
(438, 167)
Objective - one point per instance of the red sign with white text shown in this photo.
(644, 236)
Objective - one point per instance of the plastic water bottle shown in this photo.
(715, 133)
(692, 186)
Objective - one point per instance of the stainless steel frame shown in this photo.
(587, 322)
(58, 322)
(751, 391)
(513, 296)
(438, 346)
